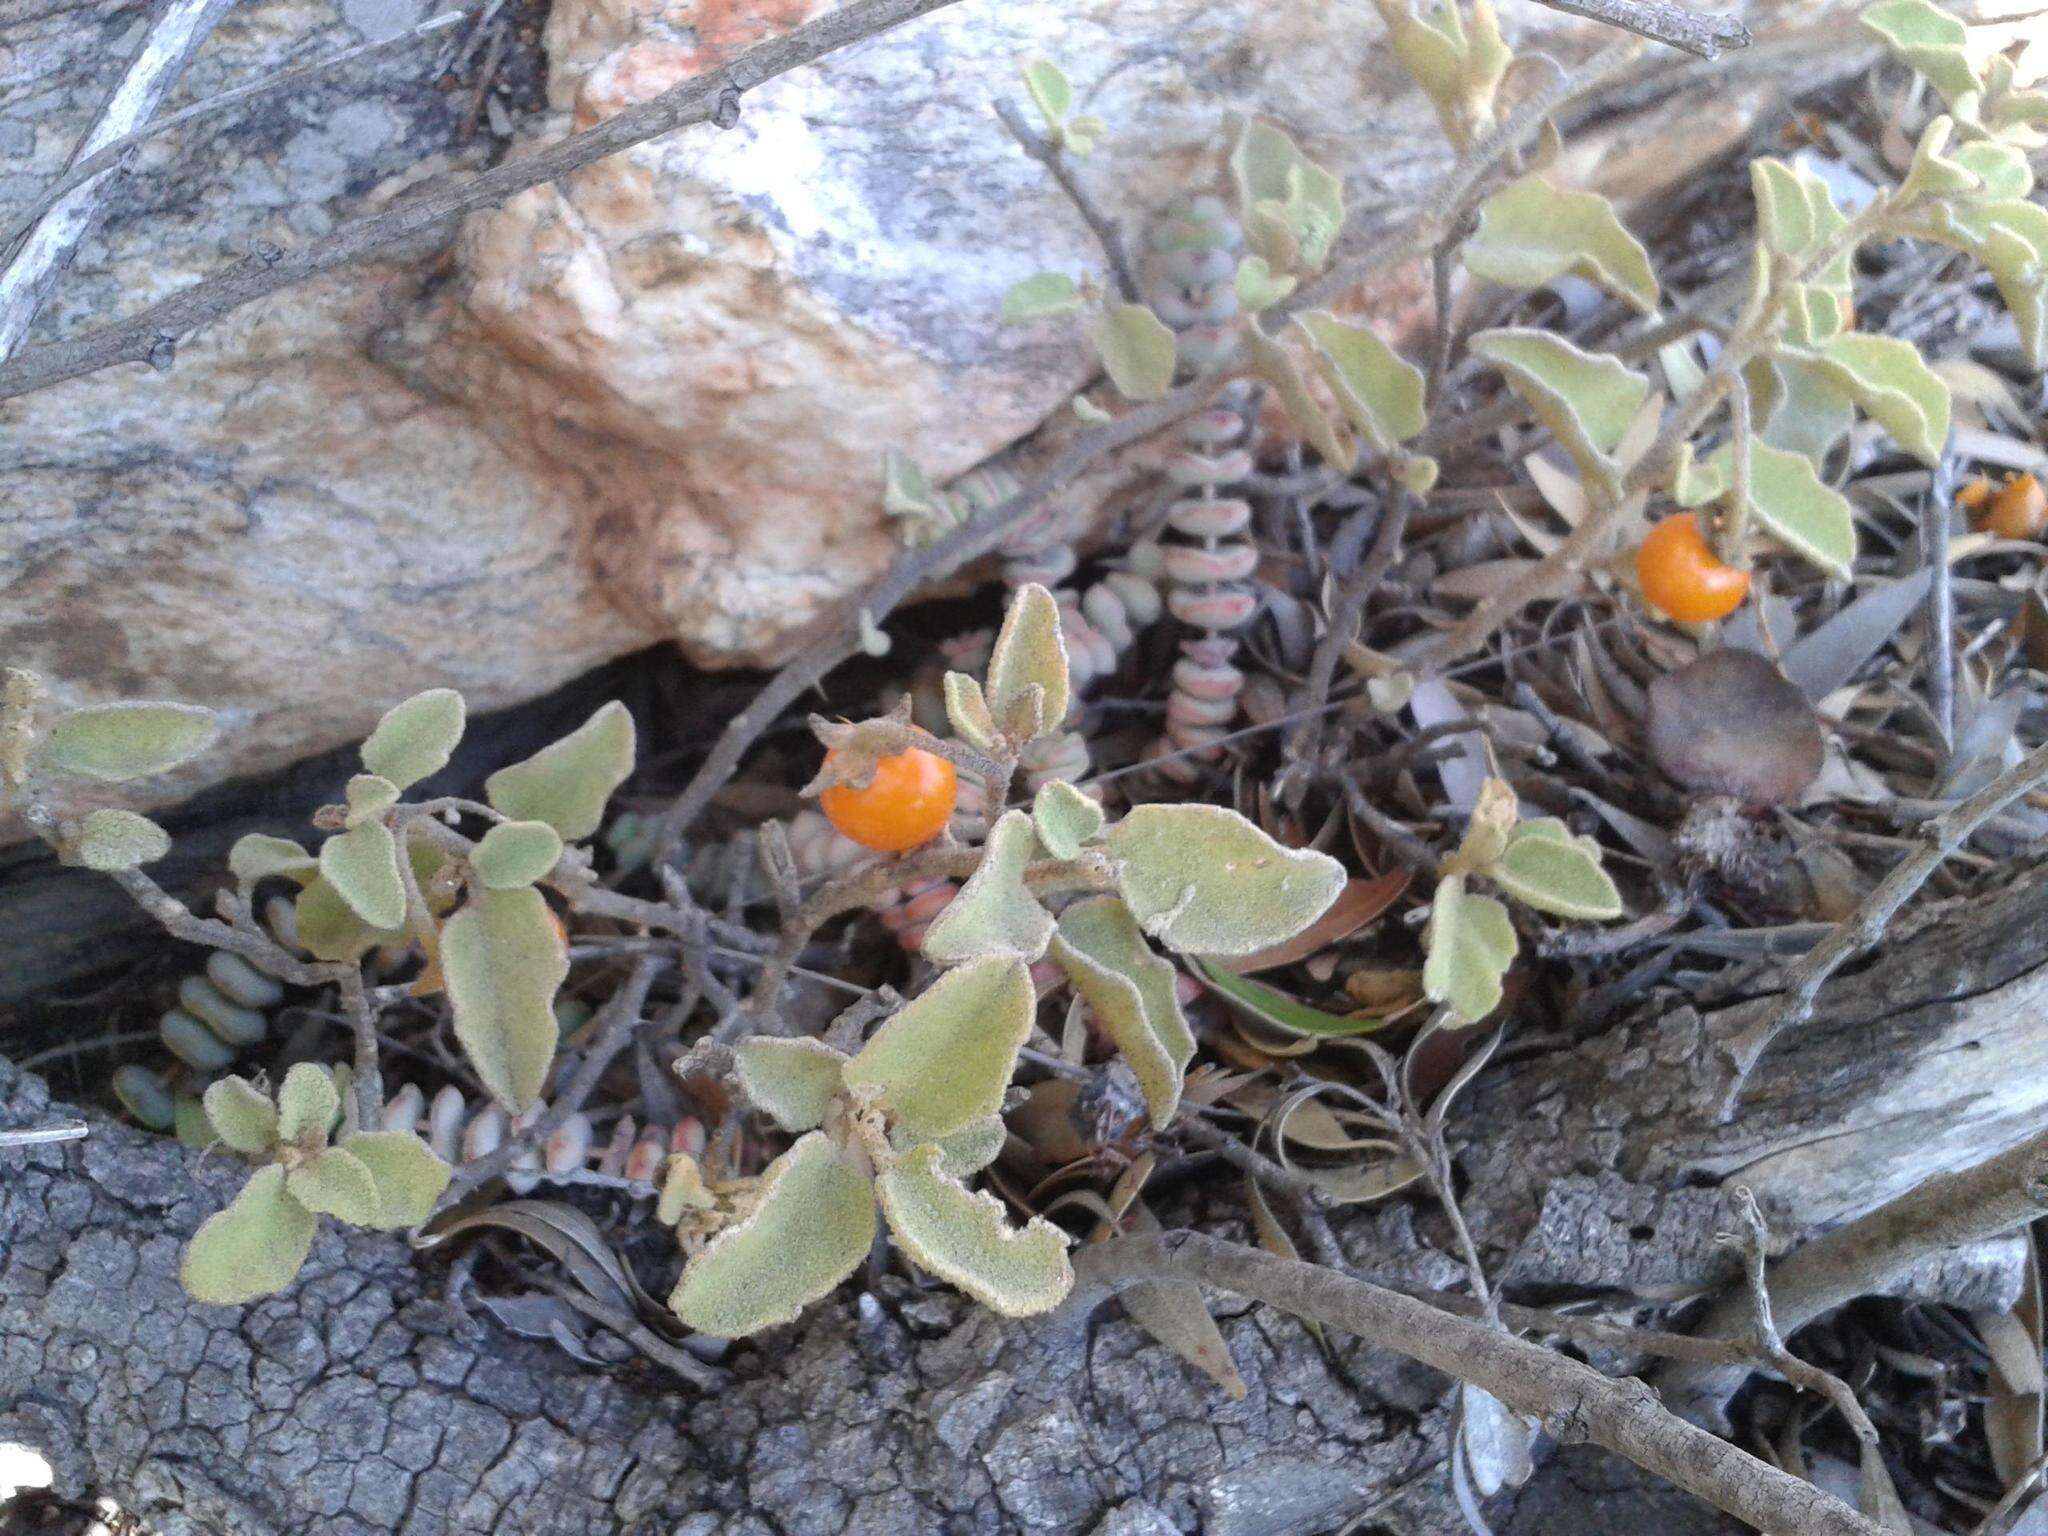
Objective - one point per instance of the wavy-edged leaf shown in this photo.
(793, 1080)
(112, 743)
(994, 913)
(251, 1249)
(361, 865)
(1789, 501)
(967, 1151)
(415, 739)
(516, 853)
(966, 1239)
(567, 783)
(307, 1102)
(1359, 903)
(1271, 1006)
(110, 840)
(1202, 879)
(1797, 217)
(946, 1057)
(1380, 391)
(1470, 943)
(503, 958)
(1138, 351)
(369, 796)
(1547, 868)
(1131, 991)
(1531, 233)
(335, 1183)
(813, 1224)
(1802, 407)
(241, 1115)
(1925, 37)
(1039, 296)
(1587, 402)
(1273, 363)
(1258, 287)
(408, 1176)
(1064, 818)
(1030, 652)
(1895, 387)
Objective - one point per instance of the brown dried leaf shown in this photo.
(1359, 903)
(1731, 724)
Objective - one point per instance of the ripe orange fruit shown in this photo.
(908, 803)
(1683, 578)
(2020, 510)
(1976, 496)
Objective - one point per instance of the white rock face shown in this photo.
(650, 402)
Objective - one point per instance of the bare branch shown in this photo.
(152, 335)
(1673, 25)
(1101, 225)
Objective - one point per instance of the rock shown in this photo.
(650, 402)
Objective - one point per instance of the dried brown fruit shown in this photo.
(1731, 724)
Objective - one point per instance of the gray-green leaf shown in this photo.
(793, 1080)
(1137, 350)
(1131, 991)
(408, 1176)
(307, 1103)
(1039, 296)
(1546, 867)
(503, 958)
(116, 742)
(251, 1249)
(567, 783)
(1532, 233)
(946, 1057)
(1470, 943)
(242, 1115)
(1030, 651)
(1587, 402)
(1065, 818)
(415, 739)
(966, 1239)
(994, 913)
(1381, 392)
(1202, 879)
(110, 840)
(335, 1183)
(516, 853)
(362, 866)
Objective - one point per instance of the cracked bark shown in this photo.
(359, 1403)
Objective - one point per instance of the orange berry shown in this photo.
(908, 803)
(1683, 578)
(2020, 510)
(1975, 496)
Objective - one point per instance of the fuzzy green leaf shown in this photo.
(994, 914)
(335, 1183)
(369, 797)
(516, 853)
(1203, 880)
(1545, 867)
(1588, 402)
(109, 840)
(1470, 942)
(1803, 408)
(251, 1249)
(242, 1115)
(1257, 286)
(1291, 208)
(1039, 296)
(1889, 379)
(503, 957)
(1064, 818)
(1928, 39)
(259, 856)
(415, 739)
(1030, 652)
(408, 1176)
(307, 1103)
(968, 712)
(1790, 502)
(1131, 991)
(1379, 391)
(2010, 237)
(946, 1057)
(329, 929)
(793, 1080)
(1275, 364)
(814, 1223)
(1137, 350)
(112, 743)
(964, 1153)
(362, 866)
(1051, 91)
(1797, 217)
(966, 1239)
(567, 783)
(1532, 233)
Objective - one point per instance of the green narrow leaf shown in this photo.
(1131, 991)
(361, 865)
(994, 913)
(1532, 233)
(1137, 350)
(792, 1080)
(814, 1223)
(1790, 502)
(408, 1176)
(110, 840)
(1030, 652)
(1547, 868)
(1379, 391)
(1203, 880)
(1588, 402)
(1065, 818)
(516, 853)
(241, 1114)
(966, 1239)
(307, 1102)
(968, 712)
(504, 957)
(946, 1057)
(567, 784)
(251, 1249)
(112, 743)
(1888, 378)
(335, 1183)
(1470, 943)
(415, 739)
(1040, 296)
(1269, 1005)
(1273, 363)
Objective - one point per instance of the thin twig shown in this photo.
(152, 335)
(1850, 938)
(43, 1135)
(1673, 25)
(1935, 515)
(1104, 228)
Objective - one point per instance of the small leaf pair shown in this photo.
(1026, 692)
(381, 1179)
(1292, 209)
(1053, 94)
(1458, 62)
